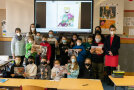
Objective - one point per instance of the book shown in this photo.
(19, 71)
(3, 80)
(36, 48)
(73, 52)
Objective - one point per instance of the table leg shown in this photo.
(114, 87)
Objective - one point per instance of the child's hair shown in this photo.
(98, 34)
(31, 57)
(44, 57)
(79, 39)
(112, 26)
(51, 31)
(75, 64)
(18, 57)
(37, 33)
(75, 35)
(31, 37)
(98, 27)
(44, 36)
(57, 61)
(90, 36)
(17, 29)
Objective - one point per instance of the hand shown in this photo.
(79, 50)
(13, 56)
(92, 50)
(72, 44)
(13, 75)
(66, 50)
(41, 73)
(53, 74)
(48, 61)
(68, 73)
(25, 74)
(110, 53)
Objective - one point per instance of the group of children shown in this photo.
(89, 63)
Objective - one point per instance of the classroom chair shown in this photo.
(29, 87)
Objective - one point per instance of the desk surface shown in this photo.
(126, 81)
(35, 82)
(80, 84)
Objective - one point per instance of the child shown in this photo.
(28, 49)
(73, 40)
(63, 51)
(112, 45)
(44, 70)
(73, 68)
(33, 30)
(82, 52)
(56, 72)
(46, 49)
(15, 67)
(38, 39)
(31, 69)
(87, 71)
(18, 45)
(98, 57)
(88, 45)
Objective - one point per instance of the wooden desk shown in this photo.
(126, 81)
(35, 82)
(79, 84)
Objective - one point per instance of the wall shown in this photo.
(119, 17)
(19, 13)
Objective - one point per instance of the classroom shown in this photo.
(66, 44)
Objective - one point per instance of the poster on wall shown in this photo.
(68, 15)
(107, 16)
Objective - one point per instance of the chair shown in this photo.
(29, 87)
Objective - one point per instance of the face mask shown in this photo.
(43, 62)
(97, 32)
(38, 37)
(30, 41)
(74, 39)
(73, 60)
(112, 32)
(87, 64)
(44, 41)
(56, 65)
(64, 41)
(50, 35)
(17, 62)
(97, 40)
(78, 44)
(32, 29)
(89, 41)
(30, 62)
(18, 34)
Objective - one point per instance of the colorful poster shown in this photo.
(107, 16)
(68, 15)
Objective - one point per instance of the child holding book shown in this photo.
(73, 68)
(44, 70)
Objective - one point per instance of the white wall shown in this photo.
(129, 5)
(19, 13)
(2, 4)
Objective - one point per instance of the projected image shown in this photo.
(67, 19)
(64, 16)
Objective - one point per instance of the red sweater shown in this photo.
(48, 49)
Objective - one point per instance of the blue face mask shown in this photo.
(73, 60)
(38, 37)
(50, 35)
(64, 41)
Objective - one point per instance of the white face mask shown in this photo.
(30, 41)
(32, 29)
(97, 40)
(112, 32)
(78, 44)
(18, 34)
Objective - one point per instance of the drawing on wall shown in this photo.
(107, 16)
(68, 16)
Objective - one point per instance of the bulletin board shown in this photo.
(116, 18)
(128, 24)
